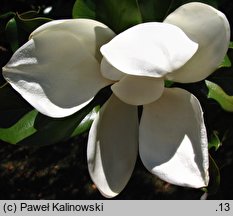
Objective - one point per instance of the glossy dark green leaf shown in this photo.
(35, 129)
(16, 116)
(19, 28)
(12, 34)
(53, 130)
(214, 141)
(20, 124)
(84, 9)
(156, 10)
(217, 93)
(12, 106)
(19, 131)
(231, 45)
(4, 18)
(86, 123)
(118, 15)
(29, 21)
(226, 62)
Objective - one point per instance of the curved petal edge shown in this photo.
(149, 49)
(173, 139)
(209, 28)
(53, 75)
(138, 90)
(113, 146)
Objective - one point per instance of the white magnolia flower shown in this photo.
(60, 69)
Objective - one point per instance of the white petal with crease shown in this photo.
(137, 90)
(92, 34)
(149, 49)
(173, 141)
(113, 146)
(55, 73)
(210, 29)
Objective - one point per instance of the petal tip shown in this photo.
(127, 53)
(208, 27)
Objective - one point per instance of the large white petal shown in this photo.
(210, 29)
(149, 49)
(138, 90)
(55, 73)
(92, 34)
(113, 146)
(173, 141)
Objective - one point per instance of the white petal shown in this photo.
(109, 72)
(55, 73)
(92, 34)
(113, 146)
(149, 49)
(210, 29)
(138, 90)
(173, 141)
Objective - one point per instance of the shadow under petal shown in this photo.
(173, 141)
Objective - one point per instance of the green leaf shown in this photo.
(86, 122)
(168, 83)
(214, 172)
(231, 45)
(19, 28)
(155, 10)
(226, 62)
(217, 93)
(120, 15)
(12, 106)
(214, 141)
(53, 130)
(22, 129)
(29, 21)
(84, 9)
(35, 129)
(12, 34)
(4, 18)
(21, 125)
(117, 15)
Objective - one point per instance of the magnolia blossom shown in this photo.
(66, 62)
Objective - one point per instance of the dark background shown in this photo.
(60, 171)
